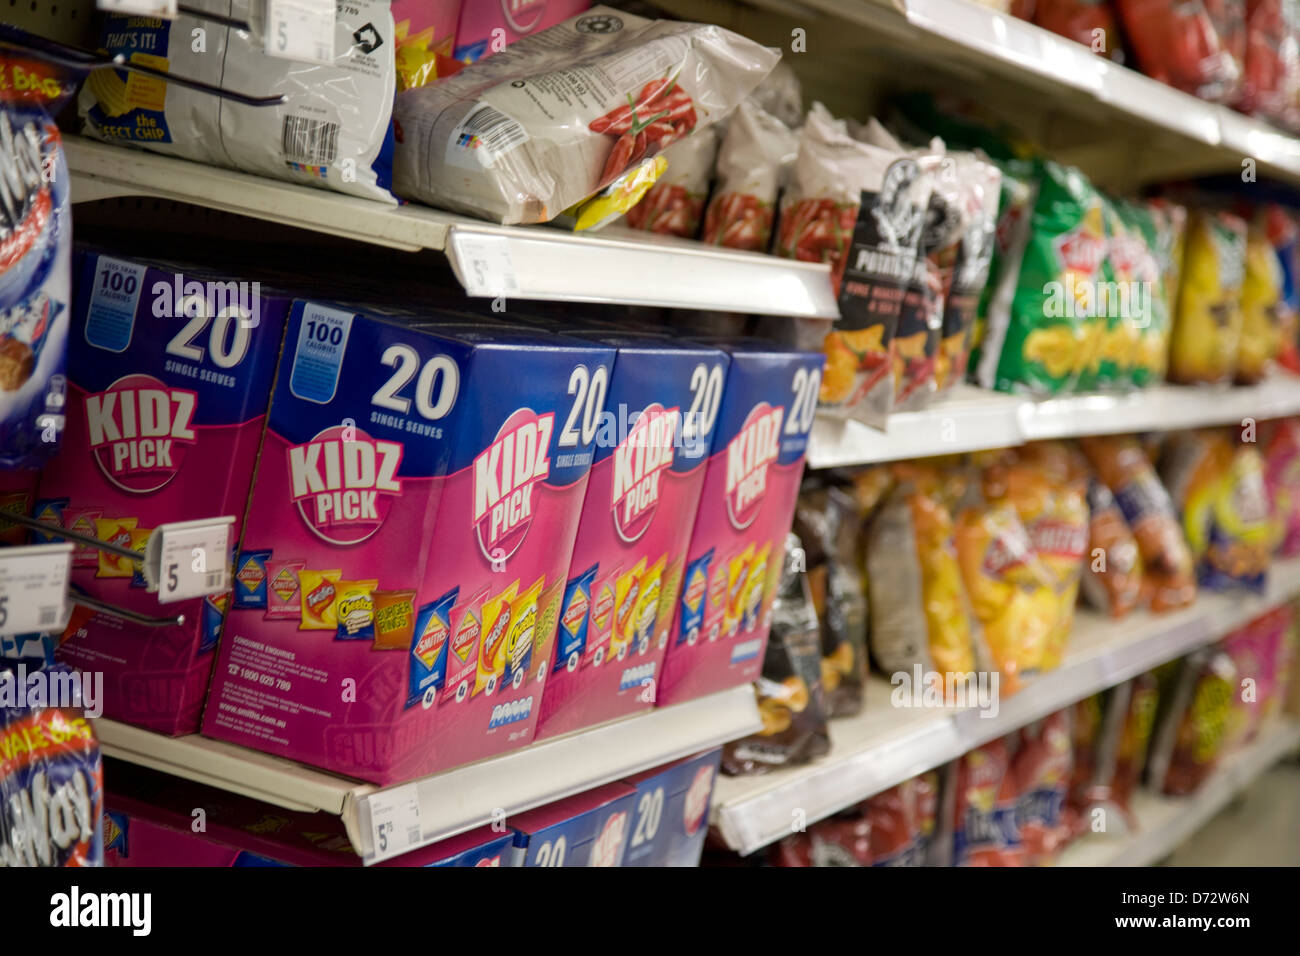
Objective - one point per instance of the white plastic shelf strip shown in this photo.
(460, 799)
(1163, 823)
(536, 262)
(972, 419)
(885, 745)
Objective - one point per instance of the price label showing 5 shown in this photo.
(301, 30)
(394, 821)
(189, 559)
(34, 588)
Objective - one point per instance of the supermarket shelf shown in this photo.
(886, 745)
(457, 800)
(972, 419)
(489, 260)
(1165, 822)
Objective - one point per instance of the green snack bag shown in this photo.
(1015, 206)
(1050, 340)
(1136, 257)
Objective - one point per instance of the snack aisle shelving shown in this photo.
(488, 260)
(448, 803)
(885, 745)
(1165, 822)
(973, 419)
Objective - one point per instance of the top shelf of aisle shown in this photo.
(489, 260)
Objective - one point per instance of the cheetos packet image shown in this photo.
(462, 652)
(283, 590)
(139, 542)
(517, 653)
(626, 591)
(115, 531)
(317, 590)
(394, 620)
(496, 621)
(646, 611)
(354, 610)
(429, 649)
(755, 587)
(251, 580)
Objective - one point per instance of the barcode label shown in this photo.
(216, 581)
(485, 135)
(49, 616)
(309, 141)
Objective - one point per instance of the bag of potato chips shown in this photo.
(1222, 496)
(1168, 571)
(1010, 590)
(826, 520)
(1049, 340)
(919, 611)
(1261, 304)
(1207, 330)
(1112, 577)
(790, 697)
(1282, 476)
(1044, 482)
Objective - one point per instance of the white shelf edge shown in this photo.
(1166, 822)
(465, 797)
(973, 419)
(884, 745)
(533, 262)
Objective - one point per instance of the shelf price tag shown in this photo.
(189, 559)
(140, 8)
(486, 268)
(34, 588)
(394, 821)
(303, 30)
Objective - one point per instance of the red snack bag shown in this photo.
(894, 826)
(1270, 80)
(755, 151)
(1041, 769)
(984, 811)
(1196, 700)
(674, 205)
(1179, 43)
(1090, 22)
(843, 840)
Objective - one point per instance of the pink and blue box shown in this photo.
(657, 818)
(408, 564)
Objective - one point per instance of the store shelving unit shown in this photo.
(448, 803)
(886, 745)
(1165, 822)
(972, 419)
(537, 262)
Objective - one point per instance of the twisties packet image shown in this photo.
(456, 474)
(115, 531)
(747, 502)
(496, 625)
(648, 469)
(318, 590)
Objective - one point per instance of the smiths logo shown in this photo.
(466, 638)
(429, 646)
(139, 431)
(506, 474)
(576, 613)
(755, 447)
(343, 482)
(639, 463)
(1081, 249)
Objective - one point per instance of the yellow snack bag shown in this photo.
(1261, 305)
(516, 653)
(495, 625)
(354, 609)
(646, 612)
(668, 595)
(318, 590)
(115, 531)
(756, 589)
(737, 573)
(1207, 331)
(627, 591)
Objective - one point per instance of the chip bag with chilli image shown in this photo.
(755, 153)
(674, 205)
(1168, 570)
(526, 133)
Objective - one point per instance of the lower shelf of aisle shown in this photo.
(886, 744)
(444, 804)
(1165, 822)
